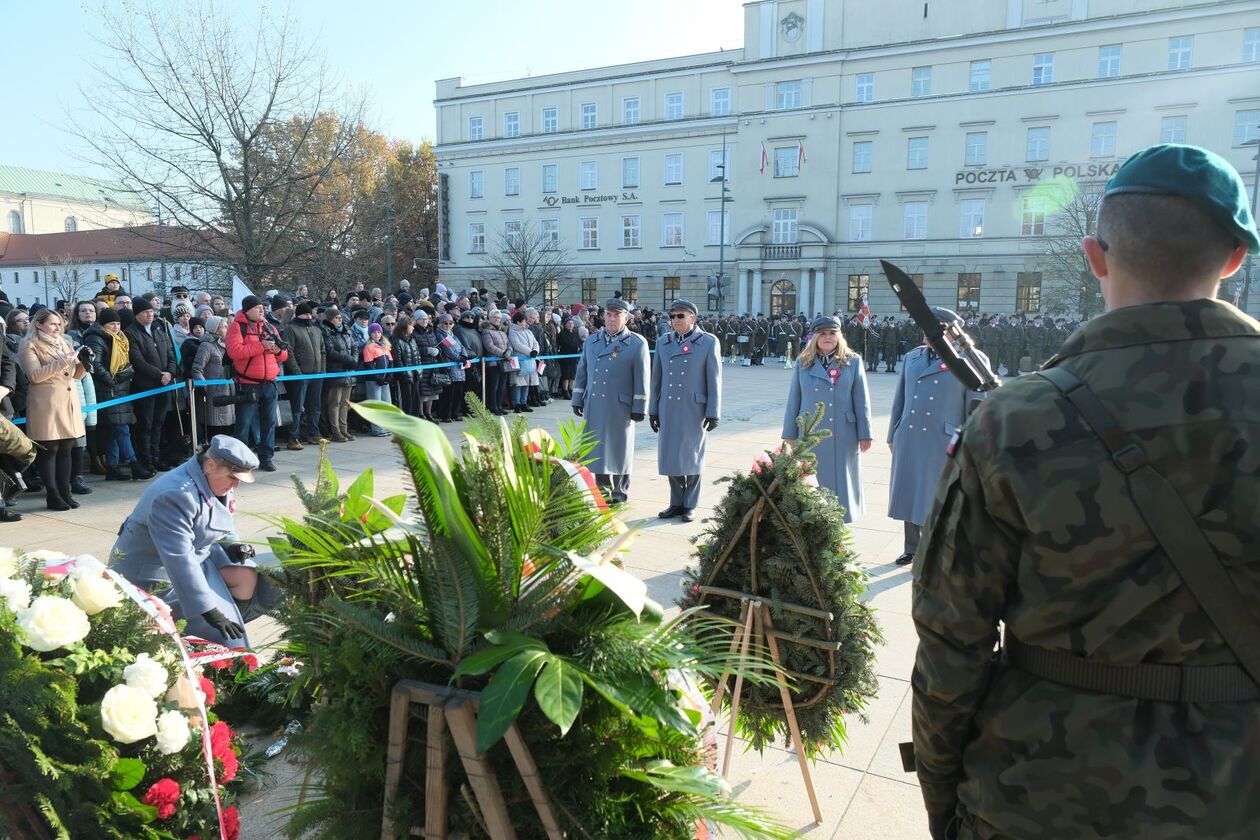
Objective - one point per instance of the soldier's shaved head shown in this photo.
(1165, 241)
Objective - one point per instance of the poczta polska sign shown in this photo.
(1036, 173)
(589, 199)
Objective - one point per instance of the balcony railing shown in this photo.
(780, 252)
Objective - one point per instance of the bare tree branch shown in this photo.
(1072, 287)
(527, 263)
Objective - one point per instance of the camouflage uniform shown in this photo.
(1033, 526)
(888, 346)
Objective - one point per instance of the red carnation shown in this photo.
(219, 664)
(163, 796)
(251, 661)
(232, 822)
(207, 688)
(220, 739)
(230, 766)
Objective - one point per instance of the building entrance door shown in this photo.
(783, 297)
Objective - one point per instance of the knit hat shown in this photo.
(306, 307)
(140, 304)
(212, 324)
(107, 316)
(249, 302)
(376, 328)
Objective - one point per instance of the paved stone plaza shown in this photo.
(863, 792)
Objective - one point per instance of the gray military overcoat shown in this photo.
(686, 388)
(929, 406)
(610, 385)
(848, 418)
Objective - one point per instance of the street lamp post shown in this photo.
(1255, 204)
(722, 226)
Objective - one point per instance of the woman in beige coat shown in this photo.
(54, 416)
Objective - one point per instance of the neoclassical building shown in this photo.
(35, 201)
(842, 133)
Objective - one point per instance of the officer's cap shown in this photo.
(1201, 177)
(945, 316)
(684, 304)
(236, 455)
(825, 322)
(617, 303)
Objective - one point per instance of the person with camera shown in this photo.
(181, 538)
(257, 352)
(153, 358)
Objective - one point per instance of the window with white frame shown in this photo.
(1179, 52)
(476, 237)
(717, 229)
(550, 178)
(1172, 129)
(588, 175)
(550, 120)
(630, 110)
(476, 128)
(783, 229)
(719, 163)
(720, 102)
(1246, 126)
(971, 218)
(863, 155)
(631, 230)
(588, 233)
(921, 81)
(787, 95)
(671, 230)
(512, 180)
(589, 115)
(1102, 140)
(787, 161)
(512, 234)
(1109, 61)
(917, 153)
(477, 184)
(1032, 216)
(512, 124)
(976, 148)
(674, 105)
(1037, 145)
(914, 220)
(1251, 44)
(864, 90)
(980, 79)
(1043, 69)
(860, 220)
(71, 224)
(549, 234)
(630, 173)
(673, 168)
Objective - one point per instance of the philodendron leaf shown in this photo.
(559, 693)
(627, 587)
(127, 773)
(504, 696)
(357, 504)
(506, 645)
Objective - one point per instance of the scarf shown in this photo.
(120, 351)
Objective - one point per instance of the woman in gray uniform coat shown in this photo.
(828, 372)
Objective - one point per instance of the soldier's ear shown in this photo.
(1095, 255)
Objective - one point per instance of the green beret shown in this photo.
(1197, 175)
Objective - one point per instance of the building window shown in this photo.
(863, 153)
(784, 228)
(1032, 216)
(674, 105)
(917, 153)
(1043, 69)
(859, 286)
(630, 110)
(865, 89)
(1246, 129)
(1109, 61)
(969, 291)
(1028, 291)
(921, 81)
(860, 221)
(549, 234)
(550, 120)
(512, 180)
(980, 76)
(630, 289)
(1172, 130)
(590, 291)
(15, 221)
(551, 291)
(671, 230)
(673, 284)
(476, 128)
(787, 95)
(550, 178)
(1037, 147)
(590, 116)
(1102, 140)
(914, 220)
(1179, 53)
(971, 218)
(588, 175)
(787, 161)
(631, 226)
(673, 168)
(719, 161)
(917, 279)
(477, 184)
(1251, 44)
(717, 228)
(71, 224)
(720, 101)
(512, 234)
(512, 124)
(477, 238)
(630, 173)
(976, 151)
(589, 228)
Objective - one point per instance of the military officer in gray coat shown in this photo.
(685, 405)
(182, 533)
(828, 371)
(929, 407)
(610, 390)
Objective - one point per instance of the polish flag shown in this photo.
(800, 154)
(864, 314)
(764, 158)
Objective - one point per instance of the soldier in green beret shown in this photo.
(1104, 512)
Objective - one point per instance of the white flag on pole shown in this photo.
(239, 292)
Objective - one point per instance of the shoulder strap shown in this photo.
(1171, 523)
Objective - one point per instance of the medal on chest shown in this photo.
(686, 348)
(833, 374)
(944, 366)
(231, 504)
(616, 352)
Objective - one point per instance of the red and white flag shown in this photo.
(864, 314)
(800, 154)
(764, 158)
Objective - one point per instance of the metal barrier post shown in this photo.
(483, 384)
(192, 414)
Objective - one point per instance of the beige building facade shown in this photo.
(964, 147)
(35, 201)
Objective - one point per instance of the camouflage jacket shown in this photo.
(1033, 526)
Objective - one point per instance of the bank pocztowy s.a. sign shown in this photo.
(1035, 173)
(590, 198)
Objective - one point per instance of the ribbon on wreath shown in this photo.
(538, 443)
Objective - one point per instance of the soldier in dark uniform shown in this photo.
(869, 344)
(1105, 512)
(760, 339)
(888, 344)
(1014, 345)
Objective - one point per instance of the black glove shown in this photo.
(655, 423)
(226, 626)
(710, 423)
(533, 353)
(577, 409)
(638, 418)
(239, 552)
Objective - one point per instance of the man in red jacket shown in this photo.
(258, 355)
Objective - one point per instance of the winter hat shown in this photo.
(107, 316)
(249, 302)
(304, 308)
(212, 324)
(140, 304)
(375, 329)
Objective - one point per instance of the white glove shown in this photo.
(432, 351)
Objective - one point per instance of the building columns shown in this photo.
(820, 288)
(741, 295)
(802, 299)
(754, 302)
